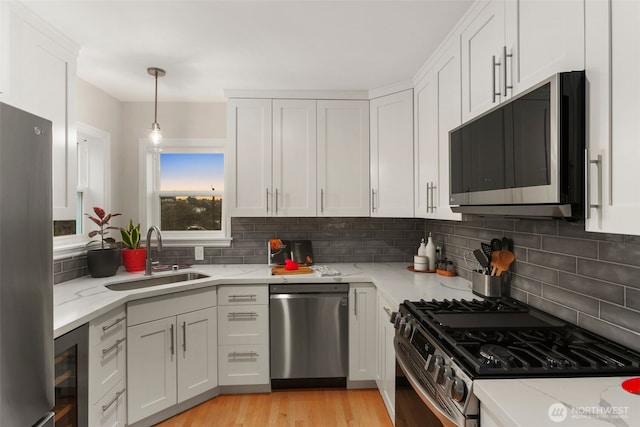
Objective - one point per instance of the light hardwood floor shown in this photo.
(298, 408)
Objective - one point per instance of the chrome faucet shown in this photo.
(148, 264)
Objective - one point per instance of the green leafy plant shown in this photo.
(102, 220)
(131, 235)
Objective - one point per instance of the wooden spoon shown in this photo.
(500, 261)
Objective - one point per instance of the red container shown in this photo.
(632, 385)
(134, 259)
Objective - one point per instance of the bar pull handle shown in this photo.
(427, 196)
(506, 55)
(387, 310)
(373, 200)
(355, 302)
(276, 201)
(250, 297)
(106, 328)
(433, 204)
(113, 347)
(172, 342)
(114, 400)
(321, 200)
(249, 354)
(587, 179)
(267, 200)
(494, 64)
(237, 315)
(184, 336)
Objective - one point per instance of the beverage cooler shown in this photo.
(71, 378)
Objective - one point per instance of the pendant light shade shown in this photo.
(155, 136)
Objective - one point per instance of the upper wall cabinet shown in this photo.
(298, 157)
(437, 105)
(294, 157)
(392, 155)
(42, 80)
(343, 158)
(513, 44)
(612, 68)
(4, 51)
(249, 157)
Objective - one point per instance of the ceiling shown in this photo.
(207, 46)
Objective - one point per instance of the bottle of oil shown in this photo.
(431, 253)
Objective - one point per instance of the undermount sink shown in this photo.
(155, 281)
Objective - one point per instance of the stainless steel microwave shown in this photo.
(525, 157)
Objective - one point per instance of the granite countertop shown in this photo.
(511, 402)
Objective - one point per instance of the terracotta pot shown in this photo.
(103, 262)
(134, 259)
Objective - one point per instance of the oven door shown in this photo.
(415, 404)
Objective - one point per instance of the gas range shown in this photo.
(444, 345)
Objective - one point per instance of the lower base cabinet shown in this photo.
(386, 378)
(171, 352)
(111, 410)
(243, 364)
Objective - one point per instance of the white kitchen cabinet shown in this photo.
(294, 157)
(249, 125)
(272, 157)
(612, 70)
(386, 376)
(392, 176)
(437, 102)
(4, 51)
(343, 158)
(152, 363)
(111, 410)
(41, 77)
(107, 368)
(511, 45)
(243, 335)
(172, 350)
(363, 312)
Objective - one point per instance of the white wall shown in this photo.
(127, 122)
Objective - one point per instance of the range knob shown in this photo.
(438, 369)
(433, 362)
(405, 330)
(445, 375)
(393, 317)
(457, 390)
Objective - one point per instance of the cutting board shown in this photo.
(303, 269)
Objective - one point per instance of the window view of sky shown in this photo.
(191, 171)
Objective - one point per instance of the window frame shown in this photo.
(149, 207)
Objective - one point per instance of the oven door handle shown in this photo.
(446, 420)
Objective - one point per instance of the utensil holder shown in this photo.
(490, 286)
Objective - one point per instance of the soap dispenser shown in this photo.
(431, 253)
(422, 250)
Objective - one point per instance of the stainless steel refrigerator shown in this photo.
(26, 270)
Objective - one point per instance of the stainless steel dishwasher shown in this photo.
(309, 335)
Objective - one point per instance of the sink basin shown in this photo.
(155, 281)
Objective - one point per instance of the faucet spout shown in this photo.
(148, 264)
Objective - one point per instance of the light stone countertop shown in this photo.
(81, 300)
(512, 402)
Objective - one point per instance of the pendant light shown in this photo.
(154, 133)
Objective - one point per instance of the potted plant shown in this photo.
(102, 261)
(133, 256)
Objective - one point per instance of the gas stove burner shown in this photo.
(495, 356)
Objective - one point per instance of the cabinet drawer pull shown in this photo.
(249, 354)
(113, 347)
(114, 400)
(236, 315)
(106, 328)
(355, 303)
(251, 297)
(587, 179)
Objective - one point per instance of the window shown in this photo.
(185, 191)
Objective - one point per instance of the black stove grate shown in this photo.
(506, 338)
